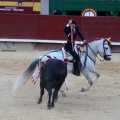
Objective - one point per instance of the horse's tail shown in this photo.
(25, 75)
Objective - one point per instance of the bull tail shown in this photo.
(25, 75)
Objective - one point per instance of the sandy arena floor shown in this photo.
(102, 102)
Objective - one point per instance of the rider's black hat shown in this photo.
(72, 22)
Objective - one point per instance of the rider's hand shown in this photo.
(70, 21)
(84, 41)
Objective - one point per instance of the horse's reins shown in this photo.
(95, 53)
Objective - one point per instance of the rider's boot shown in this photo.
(76, 70)
(79, 67)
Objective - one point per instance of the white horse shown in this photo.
(87, 57)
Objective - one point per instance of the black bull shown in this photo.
(53, 74)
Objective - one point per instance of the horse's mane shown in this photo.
(97, 38)
(93, 39)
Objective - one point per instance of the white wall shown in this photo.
(44, 8)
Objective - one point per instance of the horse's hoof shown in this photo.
(82, 90)
(39, 102)
(98, 76)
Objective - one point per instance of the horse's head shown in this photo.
(104, 49)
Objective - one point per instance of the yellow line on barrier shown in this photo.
(8, 3)
(35, 5)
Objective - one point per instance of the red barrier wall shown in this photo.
(101, 27)
(18, 26)
(51, 27)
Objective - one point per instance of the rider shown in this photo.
(72, 31)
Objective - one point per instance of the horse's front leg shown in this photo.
(96, 73)
(85, 72)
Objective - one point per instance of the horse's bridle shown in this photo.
(105, 55)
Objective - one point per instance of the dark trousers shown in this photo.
(73, 53)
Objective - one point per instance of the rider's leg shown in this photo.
(76, 70)
(76, 64)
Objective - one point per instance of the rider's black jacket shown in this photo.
(68, 45)
(76, 32)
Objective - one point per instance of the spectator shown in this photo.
(109, 13)
(57, 12)
(19, 3)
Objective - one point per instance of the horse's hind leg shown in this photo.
(41, 92)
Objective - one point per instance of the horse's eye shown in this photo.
(106, 48)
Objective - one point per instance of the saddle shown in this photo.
(68, 56)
